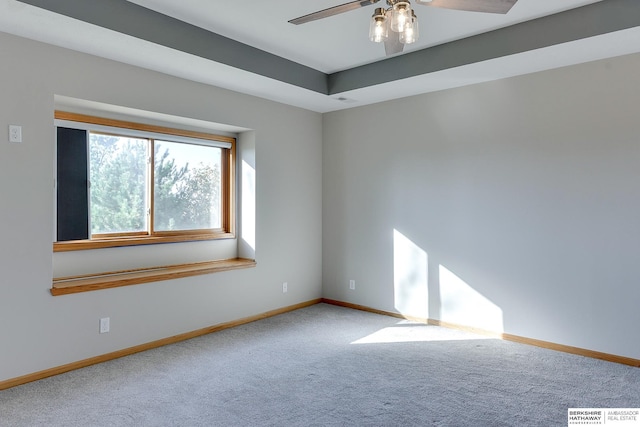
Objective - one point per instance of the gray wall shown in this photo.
(512, 206)
(38, 331)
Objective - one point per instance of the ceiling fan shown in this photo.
(397, 25)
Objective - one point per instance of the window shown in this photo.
(122, 183)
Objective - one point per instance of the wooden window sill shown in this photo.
(114, 279)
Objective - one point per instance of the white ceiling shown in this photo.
(330, 45)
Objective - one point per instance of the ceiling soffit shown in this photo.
(131, 19)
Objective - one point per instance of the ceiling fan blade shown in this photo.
(325, 13)
(392, 44)
(487, 6)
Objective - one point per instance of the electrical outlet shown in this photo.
(284, 287)
(104, 325)
(15, 133)
(352, 284)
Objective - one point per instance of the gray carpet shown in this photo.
(327, 366)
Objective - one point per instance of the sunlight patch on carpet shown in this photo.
(407, 331)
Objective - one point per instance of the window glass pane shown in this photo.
(187, 187)
(118, 184)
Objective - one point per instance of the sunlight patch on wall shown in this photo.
(248, 203)
(463, 305)
(410, 277)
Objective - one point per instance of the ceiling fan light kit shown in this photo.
(399, 18)
(398, 24)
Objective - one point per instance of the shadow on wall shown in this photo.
(444, 296)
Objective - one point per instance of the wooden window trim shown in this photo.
(115, 279)
(83, 118)
(228, 170)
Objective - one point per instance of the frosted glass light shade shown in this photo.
(378, 27)
(401, 16)
(410, 33)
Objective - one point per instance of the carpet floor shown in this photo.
(327, 366)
